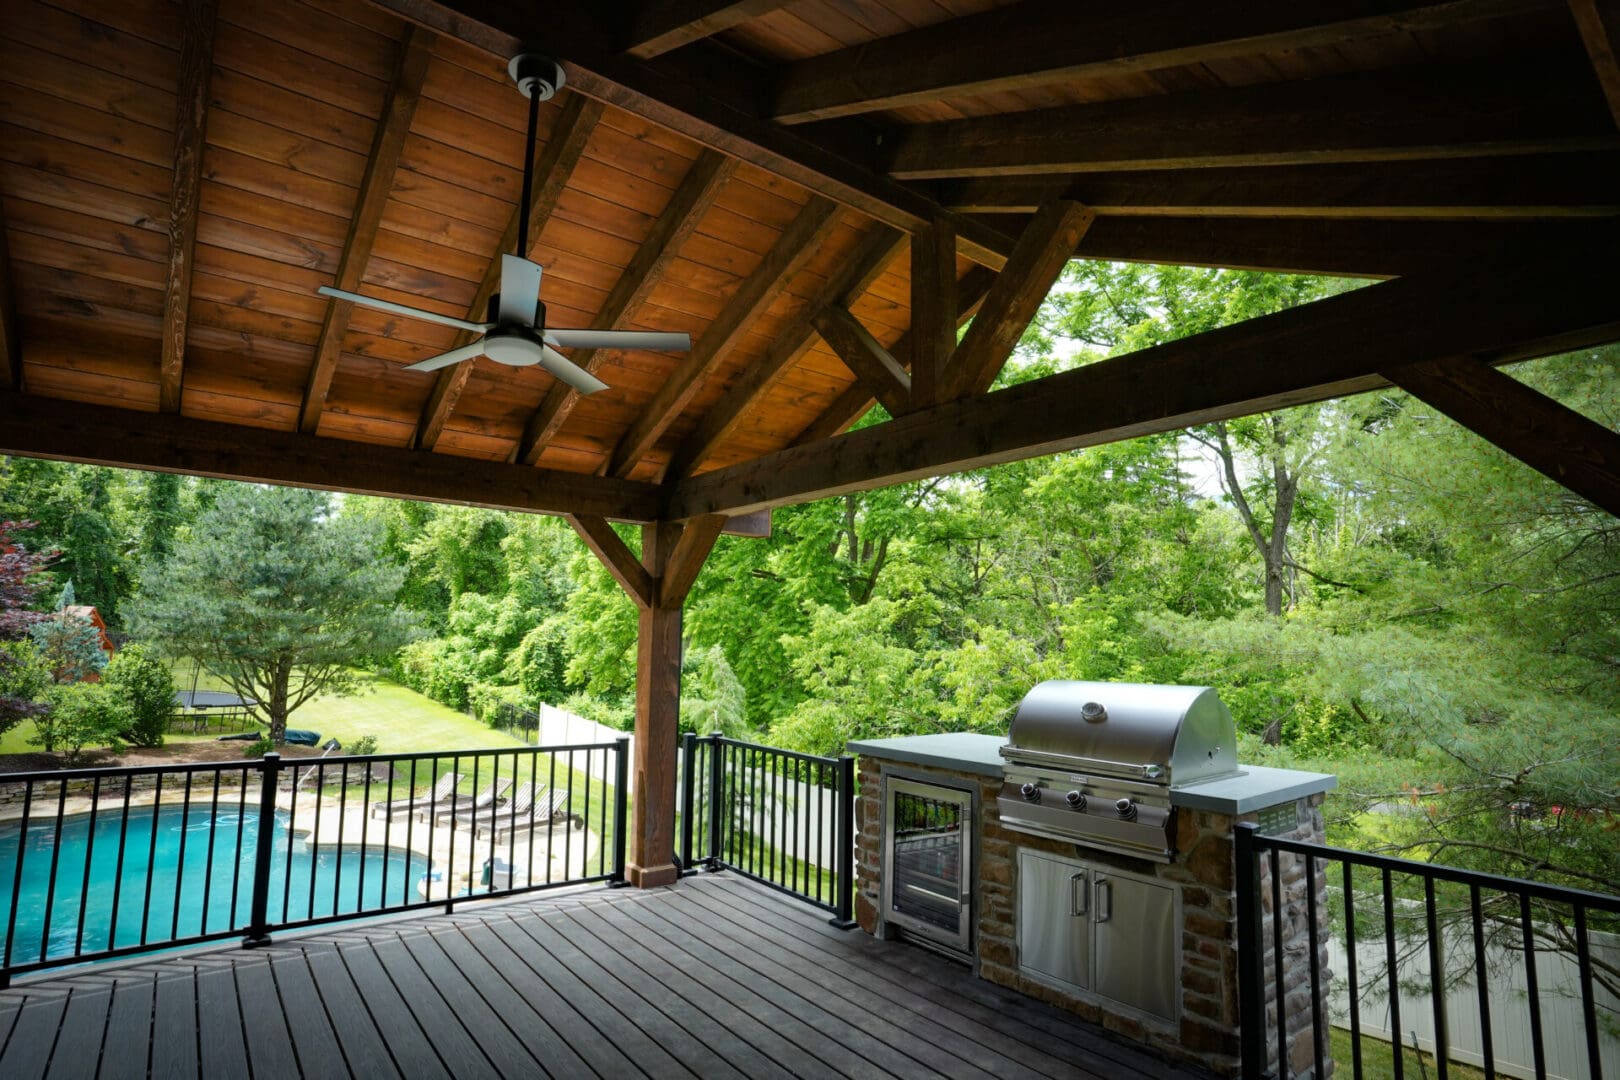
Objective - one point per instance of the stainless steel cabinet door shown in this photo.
(1054, 939)
(1135, 942)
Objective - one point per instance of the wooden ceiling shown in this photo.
(179, 178)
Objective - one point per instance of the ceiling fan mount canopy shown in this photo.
(514, 346)
(536, 75)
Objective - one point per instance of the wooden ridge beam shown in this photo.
(1542, 104)
(853, 277)
(190, 130)
(932, 337)
(661, 25)
(1326, 349)
(33, 426)
(616, 556)
(707, 93)
(678, 221)
(1546, 435)
(11, 358)
(855, 401)
(404, 91)
(1039, 42)
(1538, 186)
(691, 548)
(1048, 243)
(807, 231)
(878, 371)
(1599, 24)
(554, 165)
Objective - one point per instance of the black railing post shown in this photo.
(716, 790)
(258, 931)
(621, 806)
(846, 844)
(1250, 944)
(688, 791)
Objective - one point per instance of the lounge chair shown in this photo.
(440, 793)
(498, 819)
(491, 796)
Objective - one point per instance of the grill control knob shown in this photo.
(1076, 800)
(1030, 792)
(1126, 808)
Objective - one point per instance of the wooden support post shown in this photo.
(933, 311)
(658, 709)
(191, 115)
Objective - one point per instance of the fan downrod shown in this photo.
(537, 76)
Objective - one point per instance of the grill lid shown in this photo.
(1165, 734)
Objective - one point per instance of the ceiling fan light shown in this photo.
(511, 350)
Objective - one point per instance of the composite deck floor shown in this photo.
(715, 977)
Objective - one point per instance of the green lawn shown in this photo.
(1377, 1060)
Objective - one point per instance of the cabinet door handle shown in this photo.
(1105, 901)
(1077, 894)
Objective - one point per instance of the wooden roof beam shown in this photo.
(1537, 186)
(1599, 23)
(872, 364)
(854, 276)
(1550, 437)
(707, 93)
(190, 127)
(615, 555)
(854, 402)
(679, 220)
(404, 91)
(1048, 243)
(807, 232)
(691, 548)
(1545, 104)
(1333, 347)
(553, 166)
(168, 442)
(661, 25)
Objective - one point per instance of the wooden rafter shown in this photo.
(405, 89)
(616, 556)
(169, 442)
(1036, 43)
(854, 402)
(1599, 23)
(686, 558)
(678, 221)
(1550, 437)
(707, 93)
(1326, 349)
(757, 292)
(1048, 243)
(554, 165)
(854, 276)
(191, 118)
(1542, 186)
(932, 338)
(872, 364)
(1539, 105)
(661, 25)
(11, 359)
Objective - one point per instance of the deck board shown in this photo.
(714, 977)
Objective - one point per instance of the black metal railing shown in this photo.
(1434, 932)
(783, 818)
(97, 863)
(516, 721)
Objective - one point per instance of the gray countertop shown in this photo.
(1254, 788)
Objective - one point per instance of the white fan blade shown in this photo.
(570, 372)
(401, 309)
(617, 339)
(520, 290)
(445, 359)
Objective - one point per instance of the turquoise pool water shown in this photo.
(192, 889)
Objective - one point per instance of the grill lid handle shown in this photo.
(1092, 712)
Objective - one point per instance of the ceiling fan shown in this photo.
(516, 333)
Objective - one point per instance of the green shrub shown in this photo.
(259, 747)
(82, 714)
(487, 698)
(364, 745)
(147, 688)
(615, 713)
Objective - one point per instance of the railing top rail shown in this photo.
(254, 764)
(776, 751)
(1498, 882)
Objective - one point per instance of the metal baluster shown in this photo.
(241, 825)
(1480, 980)
(551, 782)
(1531, 991)
(1437, 980)
(568, 834)
(365, 829)
(208, 854)
(1277, 959)
(180, 859)
(688, 765)
(151, 855)
(118, 868)
(259, 917)
(1350, 957)
(314, 841)
(1251, 938)
(1318, 1036)
(1393, 976)
(337, 879)
(16, 883)
(1594, 1057)
(472, 841)
(621, 806)
(410, 831)
(433, 823)
(292, 831)
(50, 885)
(717, 780)
(89, 857)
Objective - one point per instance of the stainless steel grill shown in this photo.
(1095, 763)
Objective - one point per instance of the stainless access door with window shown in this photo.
(1088, 927)
(927, 857)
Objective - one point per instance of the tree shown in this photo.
(82, 714)
(276, 596)
(22, 675)
(146, 686)
(70, 645)
(161, 515)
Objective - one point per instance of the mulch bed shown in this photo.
(172, 754)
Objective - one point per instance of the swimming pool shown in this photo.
(189, 871)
